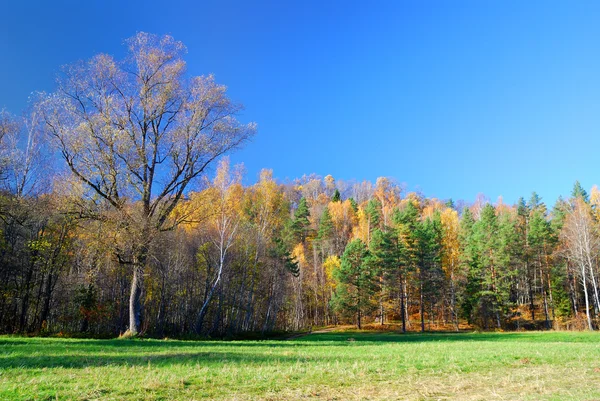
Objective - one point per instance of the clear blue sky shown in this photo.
(453, 98)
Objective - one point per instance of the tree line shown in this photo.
(144, 227)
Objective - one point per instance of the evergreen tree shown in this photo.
(353, 204)
(470, 263)
(356, 282)
(280, 253)
(300, 224)
(534, 201)
(493, 241)
(523, 253)
(487, 240)
(388, 256)
(407, 221)
(539, 242)
(579, 192)
(336, 196)
(564, 297)
(325, 231)
(429, 246)
(507, 271)
(559, 213)
(383, 259)
(407, 217)
(373, 213)
(325, 226)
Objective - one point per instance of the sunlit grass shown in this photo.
(329, 366)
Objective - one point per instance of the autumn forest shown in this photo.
(121, 213)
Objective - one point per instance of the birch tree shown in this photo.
(581, 245)
(224, 199)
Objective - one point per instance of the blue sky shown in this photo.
(452, 98)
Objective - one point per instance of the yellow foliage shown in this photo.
(450, 242)
(222, 198)
(265, 202)
(595, 202)
(361, 229)
(331, 263)
(413, 198)
(503, 208)
(432, 206)
(388, 195)
(343, 217)
(299, 254)
(329, 183)
(322, 199)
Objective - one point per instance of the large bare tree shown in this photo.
(136, 133)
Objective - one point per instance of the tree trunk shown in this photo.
(406, 303)
(135, 295)
(587, 301)
(402, 305)
(550, 293)
(160, 319)
(208, 298)
(544, 293)
(572, 292)
(453, 303)
(595, 287)
(25, 299)
(47, 299)
(531, 284)
(422, 309)
(267, 317)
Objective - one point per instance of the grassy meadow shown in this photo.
(340, 365)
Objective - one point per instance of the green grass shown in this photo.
(329, 366)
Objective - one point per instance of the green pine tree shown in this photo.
(494, 241)
(326, 229)
(336, 196)
(407, 222)
(522, 252)
(356, 283)
(579, 192)
(280, 252)
(469, 297)
(300, 224)
(353, 204)
(373, 213)
(388, 255)
(539, 239)
(534, 201)
(428, 255)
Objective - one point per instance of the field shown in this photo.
(329, 366)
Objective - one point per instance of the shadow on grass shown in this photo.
(391, 337)
(341, 338)
(22, 352)
(84, 359)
